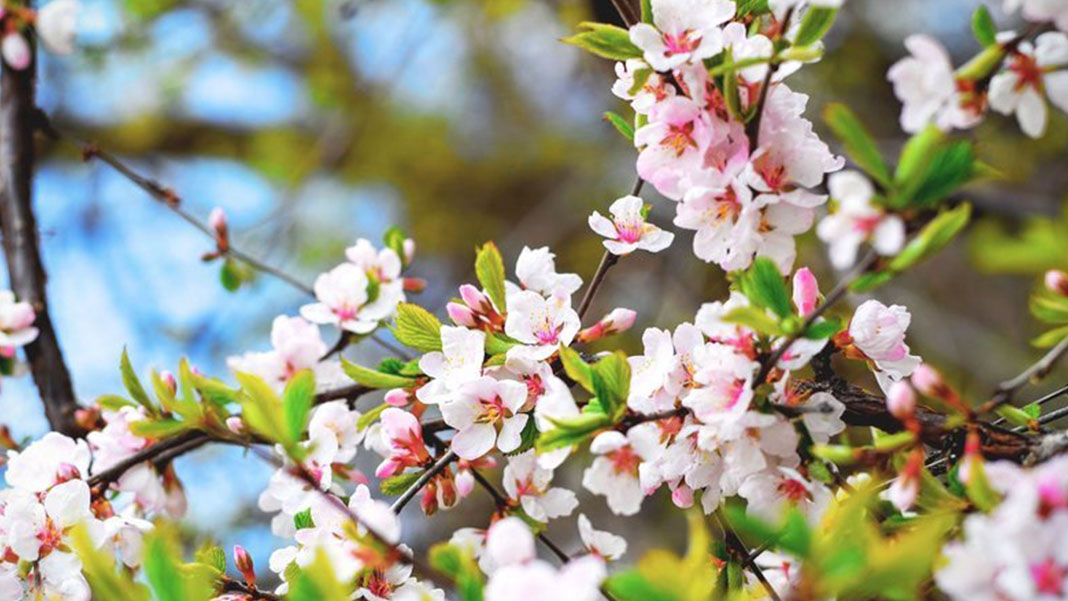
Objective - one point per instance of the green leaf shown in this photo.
(755, 319)
(814, 25)
(983, 27)
(230, 275)
(571, 431)
(374, 379)
(212, 555)
(951, 166)
(575, 368)
(823, 329)
(978, 488)
(764, 286)
(1051, 338)
(489, 267)
(914, 159)
(1016, 416)
(1033, 410)
(459, 566)
(163, 569)
(113, 402)
(98, 566)
(607, 41)
(647, 11)
(262, 410)
(316, 582)
(395, 485)
(417, 328)
(858, 143)
(1049, 307)
(297, 401)
(157, 428)
(622, 125)
(527, 439)
(611, 383)
(394, 238)
(933, 237)
(133, 384)
(215, 391)
(303, 520)
(370, 417)
(747, 7)
(497, 343)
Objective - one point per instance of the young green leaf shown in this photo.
(814, 25)
(164, 571)
(575, 368)
(374, 379)
(755, 319)
(395, 485)
(983, 27)
(571, 431)
(950, 166)
(370, 417)
(489, 267)
(394, 238)
(417, 328)
(622, 125)
(764, 286)
(858, 143)
(607, 41)
(497, 344)
(262, 410)
(611, 383)
(460, 567)
(133, 384)
(933, 237)
(297, 401)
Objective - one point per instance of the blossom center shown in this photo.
(679, 138)
(1049, 577)
(1027, 71)
(625, 460)
(793, 490)
(493, 410)
(680, 43)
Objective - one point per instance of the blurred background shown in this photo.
(315, 122)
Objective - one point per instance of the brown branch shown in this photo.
(439, 465)
(1006, 390)
(22, 246)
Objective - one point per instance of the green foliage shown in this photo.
(489, 267)
(606, 41)
(611, 384)
(212, 556)
(303, 520)
(622, 125)
(647, 11)
(931, 239)
(978, 487)
(1040, 244)
(663, 576)
(157, 428)
(170, 579)
(316, 582)
(755, 319)
(572, 431)
(394, 238)
(417, 328)
(264, 413)
(814, 25)
(497, 343)
(395, 485)
(133, 385)
(375, 379)
(763, 285)
(858, 143)
(370, 417)
(230, 275)
(792, 535)
(98, 566)
(930, 168)
(460, 567)
(297, 400)
(576, 369)
(1051, 308)
(983, 27)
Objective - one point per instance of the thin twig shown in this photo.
(229, 585)
(753, 128)
(423, 479)
(1038, 370)
(607, 261)
(743, 554)
(1042, 401)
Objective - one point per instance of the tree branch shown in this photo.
(22, 247)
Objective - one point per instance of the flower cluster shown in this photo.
(297, 345)
(1018, 551)
(732, 149)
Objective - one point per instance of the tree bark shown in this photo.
(21, 244)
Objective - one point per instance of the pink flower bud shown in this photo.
(397, 397)
(682, 496)
(901, 400)
(168, 378)
(217, 221)
(21, 316)
(465, 483)
(461, 315)
(928, 381)
(67, 471)
(1057, 281)
(414, 284)
(475, 298)
(243, 562)
(15, 50)
(236, 425)
(806, 291)
(7, 352)
(619, 320)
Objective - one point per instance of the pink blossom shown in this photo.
(806, 292)
(682, 31)
(402, 435)
(628, 230)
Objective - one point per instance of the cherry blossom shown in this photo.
(1033, 73)
(1041, 10)
(53, 459)
(682, 31)
(528, 483)
(15, 50)
(536, 271)
(878, 332)
(771, 491)
(672, 144)
(655, 88)
(605, 545)
(458, 362)
(297, 345)
(542, 324)
(345, 301)
(16, 321)
(725, 222)
(479, 409)
(519, 576)
(926, 85)
(402, 435)
(615, 473)
(56, 23)
(858, 220)
(628, 230)
(722, 380)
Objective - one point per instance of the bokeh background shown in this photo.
(315, 122)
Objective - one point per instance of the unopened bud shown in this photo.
(901, 400)
(397, 397)
(7, 352)
(15, 50)
(414, 284)
(236, 425)
(465, 482)
(682, 496)
(67, 471)
(167, 377)
(928, 381)
(1057, 282)
(409, 250)
(618, 321)
(217, 221)
(806, 292)
(475, 298)
(243, 561)
(461, 315)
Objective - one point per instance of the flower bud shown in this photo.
(806, 292)
(236, 425)
(243, 561)
(167, 377)
(397, 397)
(217, 221)
(409, 250)
(928, 381)
(7, 352)
(67, 471)
(15, 50)
(901, 400)
(20, 316)
(414, 284)
(461, 315)
(1057, 282)
(465, 482)
(682, 496)
(475, 298)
